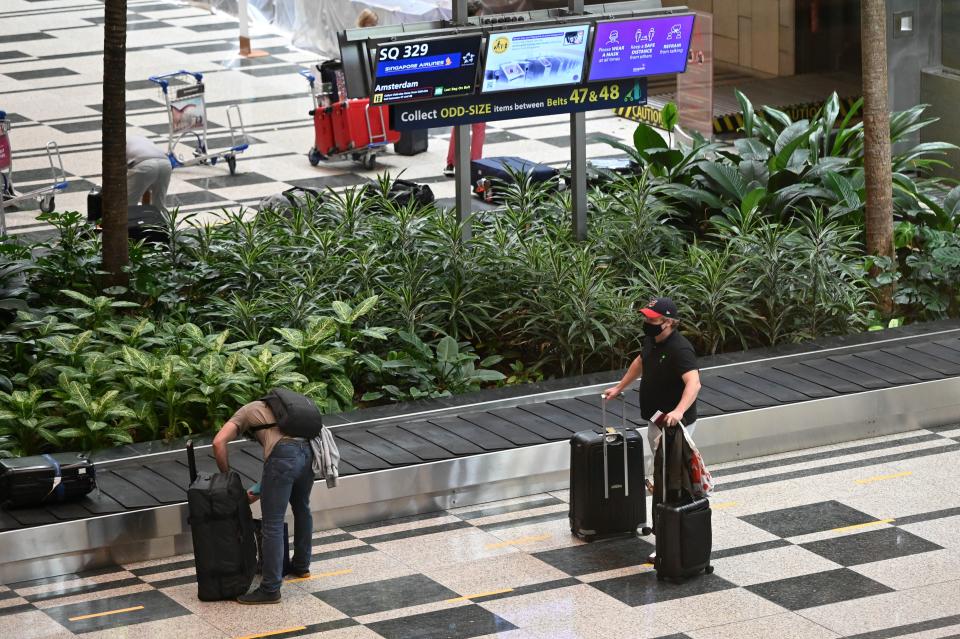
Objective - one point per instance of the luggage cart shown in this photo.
(326, 144)
(187, 114)
(9, 196)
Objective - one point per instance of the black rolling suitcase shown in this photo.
(607, 493)
(682, 524)
(44, 479)
(412, 142)
(224, 543)
(489, 174)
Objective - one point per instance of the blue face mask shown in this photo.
(652, 330)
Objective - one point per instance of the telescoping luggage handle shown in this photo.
(610, 437)
(663, 447)
(191, 461)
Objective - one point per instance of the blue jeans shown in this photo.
(287, 478)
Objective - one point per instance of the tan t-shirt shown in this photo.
(255, 414)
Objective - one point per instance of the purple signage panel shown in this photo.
(640, 47)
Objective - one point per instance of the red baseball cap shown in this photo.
(660, 307)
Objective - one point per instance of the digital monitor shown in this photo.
(640, 47)
(535, 58)
(425, 69)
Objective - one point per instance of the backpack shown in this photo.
(297, 415)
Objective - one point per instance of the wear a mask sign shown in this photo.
(643, 47)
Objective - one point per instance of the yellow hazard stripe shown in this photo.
(104, 614)
(479, 595)
(869, 524)
(274, 632)
(346, 571)
(870, 480)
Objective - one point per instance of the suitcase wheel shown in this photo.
(708, 570)
(646, 530)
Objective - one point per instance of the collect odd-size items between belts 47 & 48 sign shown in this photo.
(563, 68)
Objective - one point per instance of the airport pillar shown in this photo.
(461, 135)
(578, 159)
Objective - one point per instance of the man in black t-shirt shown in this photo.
(667, 368)
(668, 372)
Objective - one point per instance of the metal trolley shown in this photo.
(187, 114)
(9, 196)
(320, 93)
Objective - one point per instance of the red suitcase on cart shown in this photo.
(357, 125)
(323, 131)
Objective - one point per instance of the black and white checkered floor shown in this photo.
(856, 540)
(51, 69)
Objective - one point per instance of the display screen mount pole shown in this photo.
(461, 135)
(578, 159)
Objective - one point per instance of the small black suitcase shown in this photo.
(682, 525)
(44, 479)
(607, 494)
(489, 174)
(412, 142)
(224, 541)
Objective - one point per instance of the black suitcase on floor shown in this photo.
(224, 542)
(412, 142)
(489, 174)
(141, 218)
(44, 479)
(607, 486)
(683, 526)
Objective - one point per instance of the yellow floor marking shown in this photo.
(866, 525)
(346, 571)
(870, 480)
(274, 632)
(104, 614)
(478, 595)
(726, 504)
(521, 540)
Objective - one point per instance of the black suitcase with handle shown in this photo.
(44, 479)
(607, 488)
(224, 540)
(682, 524)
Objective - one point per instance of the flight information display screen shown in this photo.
(535, 58)
(640, 47)
(425, 69)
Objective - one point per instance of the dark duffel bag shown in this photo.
(298, 196)
(607, 486)
(682, 524)
(44, 479)
(412, 142)
(224, 540)
(403, 192)
(487, 175)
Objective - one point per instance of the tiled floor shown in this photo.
(821, 543)
(51, 69)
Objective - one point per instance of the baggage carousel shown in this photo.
(403, 460)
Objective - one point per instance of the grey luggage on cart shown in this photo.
(682, 523)
(607, 494)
